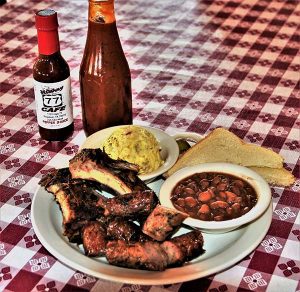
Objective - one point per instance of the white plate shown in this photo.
(169, 149)
(222, 250)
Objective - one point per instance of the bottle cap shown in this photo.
(46, 19)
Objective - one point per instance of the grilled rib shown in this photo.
(94, 164)
(190, 243)
(77, 201)
(155, 256)
(175, 254)
(132, 205)
(146, 256)
(55, 178)
(162, 222)
(94, 238)
(120, 229)
(92, 219)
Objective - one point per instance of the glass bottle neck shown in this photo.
(102, 11)
(48, 42)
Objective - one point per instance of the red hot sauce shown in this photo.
(105, 81)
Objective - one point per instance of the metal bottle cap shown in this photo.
(46, 19)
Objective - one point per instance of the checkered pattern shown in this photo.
(196, 65)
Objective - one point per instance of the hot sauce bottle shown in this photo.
(105, 81)
(52, 84)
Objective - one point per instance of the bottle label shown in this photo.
(53, 104)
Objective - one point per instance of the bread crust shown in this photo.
(275, 176)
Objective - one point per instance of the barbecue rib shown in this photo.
(76, 198)
(54, 179)
(190, 243)
(175, 254)
(57, 178)
(162, 222)
(120, 229)
(183, 248)
(134, 205)
(155, 256)
(146, 256)
(94, 164)
(94, 238)
(103, 224)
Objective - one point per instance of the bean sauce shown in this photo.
(213, 196)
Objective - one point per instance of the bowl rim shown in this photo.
(165, 141)
(255, 180)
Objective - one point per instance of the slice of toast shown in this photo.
(223, 146)
(275, 176)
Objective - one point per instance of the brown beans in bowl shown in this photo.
(199, 199)
(213, 196)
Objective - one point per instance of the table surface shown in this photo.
(196, 65)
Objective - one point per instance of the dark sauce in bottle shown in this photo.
(105, 81)
(51, 74)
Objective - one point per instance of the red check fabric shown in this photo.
(196, 65)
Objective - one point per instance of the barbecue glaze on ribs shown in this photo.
(76, 198)
(107, 226)
(135, 205)
(94, 238)
(153, 255)
(94, 164)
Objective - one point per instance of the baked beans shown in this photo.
(213, 196)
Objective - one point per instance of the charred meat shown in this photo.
(153, 255)
(54, 179)
(146, 256)
(94, 238)
(133, 205)
(175, 254)
(183, 248)
(57, 178)
(105, 225)
(190, 243)
(162, 222)
(94, 164)
(121, 229)
(78, 203)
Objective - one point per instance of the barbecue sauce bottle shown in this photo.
(52, 83)
(105, 81)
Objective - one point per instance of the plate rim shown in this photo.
(157, 277)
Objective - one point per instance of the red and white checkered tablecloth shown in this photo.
(196, 65)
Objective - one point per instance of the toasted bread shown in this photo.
(275, 176)
(223, 146)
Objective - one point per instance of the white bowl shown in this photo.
(169, 150)
(256, 181)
